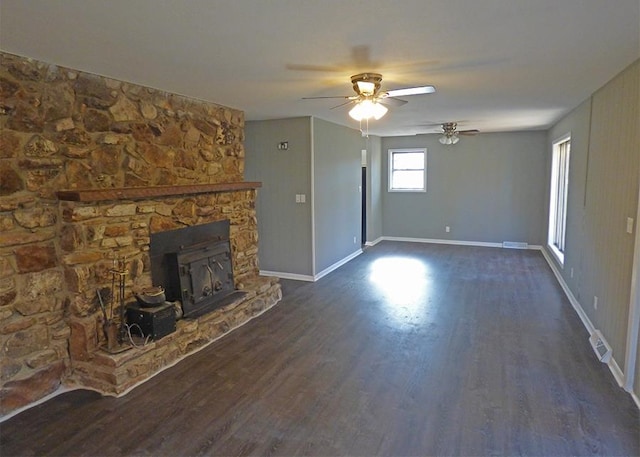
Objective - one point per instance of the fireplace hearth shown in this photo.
(194, 265)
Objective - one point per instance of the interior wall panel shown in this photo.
(284, 226)
(611, 198)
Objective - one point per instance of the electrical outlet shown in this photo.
(629, 225)
(447, 229)
(572, 272)
(354, 240)
(595, 302)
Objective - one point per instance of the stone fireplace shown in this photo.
(91, 169)
(89, 260)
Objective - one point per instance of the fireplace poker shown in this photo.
(113, 286)
(122, 272)
(102, 307)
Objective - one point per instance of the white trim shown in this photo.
(562, 138)
(633, 327)
(557, 254)
(436, 241)
(534, 247)
(284, 275)
(313, 197)
(390, 153)
(613, 365)
(326, 271)
(574, 302)
(374, 242)
(554, 195)
(337, 265)
(616, 371)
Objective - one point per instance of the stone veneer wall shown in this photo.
(65, 129)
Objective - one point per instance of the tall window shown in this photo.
(408, 170)
(559, 191)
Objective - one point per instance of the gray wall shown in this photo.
(487, 188)
(284, 226)
(324, 163)
(603, 192)
(374, 188)
(577, 123)
(337, 199)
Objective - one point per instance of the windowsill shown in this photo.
(413, 191)
(559, 256)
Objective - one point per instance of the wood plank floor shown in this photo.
(409, 349)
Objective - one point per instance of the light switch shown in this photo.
(297, 198)
(303, 198)
(629, 225)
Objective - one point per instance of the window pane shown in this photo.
(402, 179)
(558, 201)
(408, 160)
(407, 170)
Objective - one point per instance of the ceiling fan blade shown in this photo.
(411, 91)
(350, 97)
(468, 132)
(343, 104)
(390, 101)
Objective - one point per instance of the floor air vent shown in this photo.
(515, 245)
(600, 347)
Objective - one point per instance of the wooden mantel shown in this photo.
(141, 193)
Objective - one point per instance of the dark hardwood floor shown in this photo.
(409, 349)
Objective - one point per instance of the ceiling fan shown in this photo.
(450, 133)
(370, 100)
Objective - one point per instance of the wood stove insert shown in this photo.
(195, 266)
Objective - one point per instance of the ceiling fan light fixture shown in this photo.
(448, 139)
(449, 133)
(366, 88)
(367, 109)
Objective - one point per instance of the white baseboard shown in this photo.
(299, 277)
(535, 247)
(572, 299)
(612, 364)
(437, 241)
(374, 242)
(337, 265)
(284, 275)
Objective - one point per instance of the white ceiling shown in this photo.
(498, 65)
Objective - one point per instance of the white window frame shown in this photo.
(558, 196)
(391, 169)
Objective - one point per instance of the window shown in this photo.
(407, 170)
(558, 201)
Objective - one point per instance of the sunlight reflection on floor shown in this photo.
(404, 282)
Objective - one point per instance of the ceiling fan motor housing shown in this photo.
(370, 78)
(449, 128)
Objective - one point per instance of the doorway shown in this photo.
(363, 195)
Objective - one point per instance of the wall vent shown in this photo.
(600, 346)
(515, 245)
